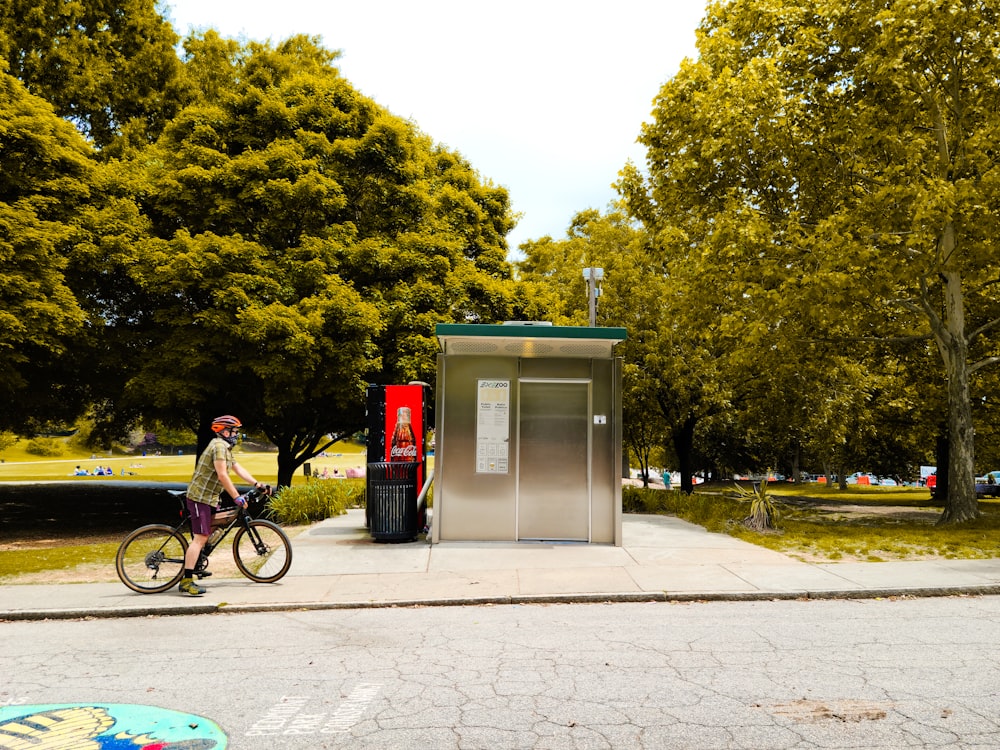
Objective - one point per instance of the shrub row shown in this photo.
(316, 500)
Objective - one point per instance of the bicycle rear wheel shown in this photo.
(151, 559)
(263, 553)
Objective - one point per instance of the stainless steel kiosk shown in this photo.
(528, 434)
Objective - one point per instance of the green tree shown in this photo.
(45, 176)
(8, 440)
(633, 296)
(836, 163)
(108, 66)
(305, 242)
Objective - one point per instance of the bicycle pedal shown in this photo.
(203, 573)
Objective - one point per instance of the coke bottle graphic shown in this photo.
(404, 443)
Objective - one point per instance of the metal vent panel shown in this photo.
(585, 350)
(468, 346)
(529, 348)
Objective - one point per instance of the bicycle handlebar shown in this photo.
(257, 492)
(254, 494)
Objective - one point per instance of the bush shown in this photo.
(316, 500)
(763, 508)
(44, 447)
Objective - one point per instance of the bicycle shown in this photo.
(151, 558)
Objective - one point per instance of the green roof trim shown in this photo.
(530, 331)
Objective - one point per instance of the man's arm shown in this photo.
(227, 483)
(245, 475)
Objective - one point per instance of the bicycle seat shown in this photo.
(181, 496)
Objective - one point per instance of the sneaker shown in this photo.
(189, 587)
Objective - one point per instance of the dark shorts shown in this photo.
(201, 517)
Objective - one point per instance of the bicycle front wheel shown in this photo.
(263, 552)
(151, 559)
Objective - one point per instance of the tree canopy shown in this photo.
(806, 264)
(304, 243)
(45, 176)
(109, 66)
(833, 166)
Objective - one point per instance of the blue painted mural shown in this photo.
(105, 726)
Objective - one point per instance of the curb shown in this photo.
(622, 598)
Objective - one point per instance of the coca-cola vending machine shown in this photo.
(399, 417)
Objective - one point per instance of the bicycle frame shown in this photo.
(242, 518)
(261, 550)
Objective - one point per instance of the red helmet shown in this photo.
(225, 422)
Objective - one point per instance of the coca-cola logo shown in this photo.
(404, 451)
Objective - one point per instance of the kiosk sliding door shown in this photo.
(553, 484)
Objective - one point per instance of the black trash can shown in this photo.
(391, 501)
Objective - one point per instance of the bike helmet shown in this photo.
(224, 423)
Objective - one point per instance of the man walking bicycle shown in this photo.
(210, 478)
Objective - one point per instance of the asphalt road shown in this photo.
(788, 675)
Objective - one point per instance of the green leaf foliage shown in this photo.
(304, 242)
(45, 176)
(109, 66)
(822, 187)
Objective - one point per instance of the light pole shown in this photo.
(593, 277)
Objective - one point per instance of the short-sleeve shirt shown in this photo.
(205, 486)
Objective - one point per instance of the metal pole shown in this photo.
(591, 288)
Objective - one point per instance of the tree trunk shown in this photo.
(684, 448)
(960, 502)
(287, 464)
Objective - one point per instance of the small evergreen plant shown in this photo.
(764, 514)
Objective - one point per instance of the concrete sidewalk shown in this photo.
(337, 565)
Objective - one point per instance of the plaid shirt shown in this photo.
(205, 485)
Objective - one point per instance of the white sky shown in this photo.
(543, 97)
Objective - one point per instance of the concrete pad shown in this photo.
(639, 530)
(337, 559)
(987, 570)
(419, 587)
(707, 555)
(915, 574)
(336, 563)
(791, 577)
(688, 578)
(465, 556)
(539, 581)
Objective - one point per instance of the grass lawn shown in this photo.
(20, 466)
(822, 524)
(878, 523)
(73, 547)
(817, 523)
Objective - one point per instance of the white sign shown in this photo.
(493, 427)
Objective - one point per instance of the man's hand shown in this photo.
(241, 501)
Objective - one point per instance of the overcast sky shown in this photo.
(543, 97)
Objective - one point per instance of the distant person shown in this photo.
(210, 478)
